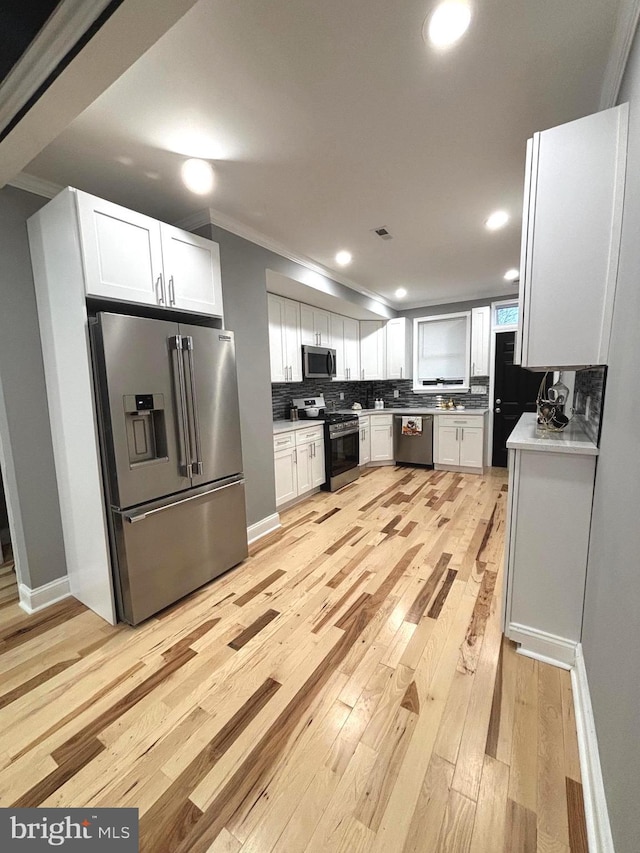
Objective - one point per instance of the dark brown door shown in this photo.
(515, 392)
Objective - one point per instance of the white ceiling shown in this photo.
(328, 119)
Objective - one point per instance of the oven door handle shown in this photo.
(345, 433)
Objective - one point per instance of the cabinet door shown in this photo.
(471, 446)
(314, 326)
(121, 252)
(365, 443)
(284, 339)
(317, 463)
(285, 471)
(448, 445)
(480, 340)
(372, 349)
(399, 361)
(338, 341)
(191, 271)
(573, 214)
(303, 460)
(277, 341)
(381, 441)
(351, 348)
(292, 345)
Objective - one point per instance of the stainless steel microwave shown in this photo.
(318, 362)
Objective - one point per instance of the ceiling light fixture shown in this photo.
(197, 176)
(512, 274)
(401, 293)
(343, 258)
(447, 23)
(498, 219)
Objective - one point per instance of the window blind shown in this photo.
(442, 347)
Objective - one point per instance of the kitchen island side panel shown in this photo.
(549, 538)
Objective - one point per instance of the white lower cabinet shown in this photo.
(547, 541)
(460, 442)
(298, 463)
(365, 440)
(381, 438)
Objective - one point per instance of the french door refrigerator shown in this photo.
(172, 459)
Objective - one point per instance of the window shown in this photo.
(506, 314)
(441, 351)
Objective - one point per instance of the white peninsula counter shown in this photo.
(551, 479)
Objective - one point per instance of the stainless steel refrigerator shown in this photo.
(172, 459)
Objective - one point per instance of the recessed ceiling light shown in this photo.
(512, 274)
(498, 219)
(343, 258)
(401, 292)
(447, 23)
(197, 176)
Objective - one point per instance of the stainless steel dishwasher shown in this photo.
(417, 447)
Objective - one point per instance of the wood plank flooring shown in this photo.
(346, 689)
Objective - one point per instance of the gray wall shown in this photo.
(244, 285)
(452, 307)
(611, 628)
(29, 472)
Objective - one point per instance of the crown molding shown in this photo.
(626, 25)
(452, 300)
(65, 27)
(212, 216)
(37, 186)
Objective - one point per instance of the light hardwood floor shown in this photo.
(346, 689)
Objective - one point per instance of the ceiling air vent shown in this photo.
(383, 233)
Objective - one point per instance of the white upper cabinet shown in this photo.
(284, 339)
(399, 356)
(345, 339)
(574, 185)
(191, 271)
(373, 346)
(121, 251)
(129, 257)
(480, 340)
(315, 325)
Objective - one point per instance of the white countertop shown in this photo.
(573, 439)
(427, 410)
(287, 426)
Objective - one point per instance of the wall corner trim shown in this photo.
(627, 21)
(263, 527)
(33, 600)
(543, 646)
(595, 801)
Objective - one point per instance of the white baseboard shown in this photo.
(543, 646)
(32, 600)
(263, 527)
(595, 802)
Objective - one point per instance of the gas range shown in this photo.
(317, 406)
(337, 424)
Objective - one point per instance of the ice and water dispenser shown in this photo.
(146, 428)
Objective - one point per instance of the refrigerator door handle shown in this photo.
(175, 342)
(133, 517)
(197, 462)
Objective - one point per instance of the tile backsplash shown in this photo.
(366, 392)
(590, 385)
